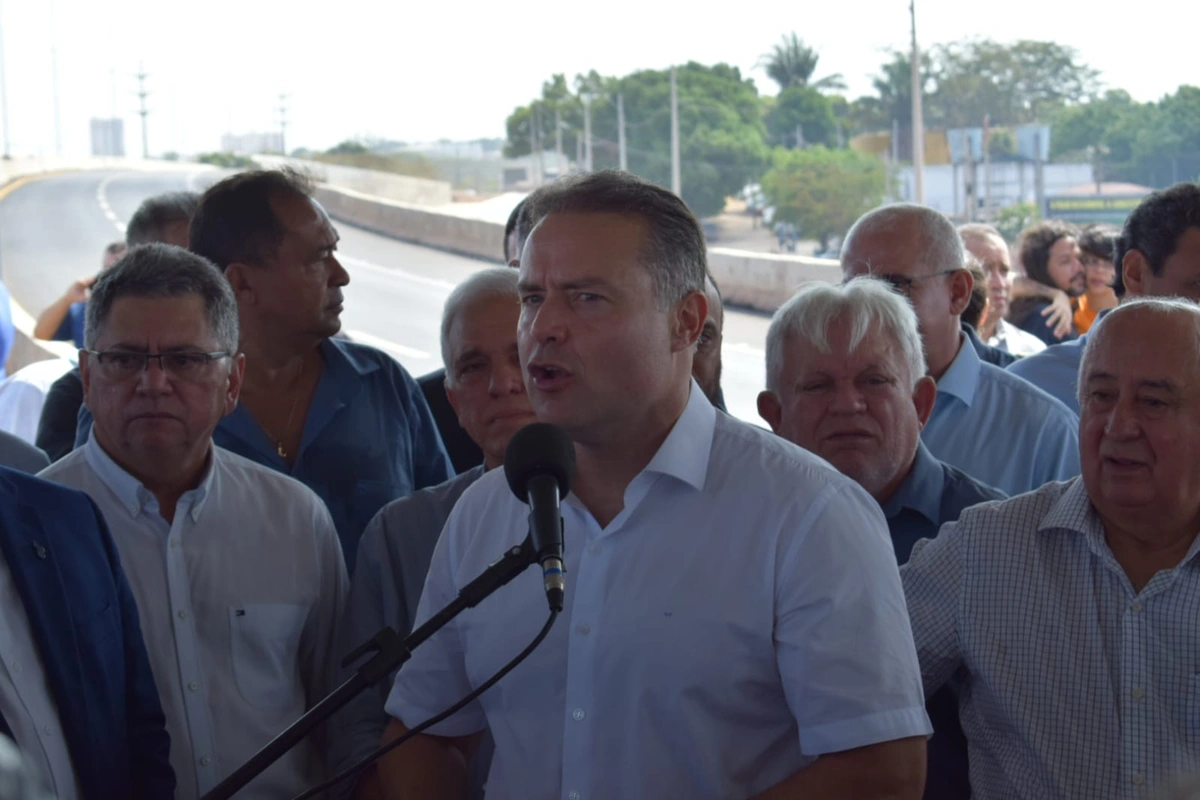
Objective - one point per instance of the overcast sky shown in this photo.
(426, 70)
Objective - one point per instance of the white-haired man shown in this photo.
(485, 387)
(846, 380)
(1069, 613)
(1000, 430)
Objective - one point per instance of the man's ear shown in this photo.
(237, 372)
(924, 396)
(85, 375)
(452, 398)
(688, 321)
(240, 277)
(962, 283)
(1134, 268)
(770, 409)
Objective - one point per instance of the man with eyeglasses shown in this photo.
(1006, 433)
(237, 570)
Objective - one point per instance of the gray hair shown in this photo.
(490, 282)
(981, 230)
(148, 224)
(943, 245)
(163, 270)
(867, 304)
(1164, 306)
(675, 253)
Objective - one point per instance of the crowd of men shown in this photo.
(961, 563)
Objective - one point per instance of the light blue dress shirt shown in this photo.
(1000, 429)
(741, 616)
(1055, 370)
(1073, 684)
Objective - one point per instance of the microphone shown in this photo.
(539, 464)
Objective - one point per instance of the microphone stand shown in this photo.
(390, 653)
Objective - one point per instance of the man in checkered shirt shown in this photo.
(1068, 619)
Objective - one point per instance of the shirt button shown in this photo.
(193, 686)
(583, 630)
(1138, 693)
(16, 667)
(578, 714)
(573, 796)
(594, 549)
(1135, 606)
(183, 615)
(174, 543)
(205, 761)
(1138, 779)
(46, 730)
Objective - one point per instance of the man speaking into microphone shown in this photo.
(734, 625)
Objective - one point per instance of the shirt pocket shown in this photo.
(265, 641)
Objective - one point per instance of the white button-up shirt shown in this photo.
(25, 699)
(1072, 684)
(741, 616)
(238, 600)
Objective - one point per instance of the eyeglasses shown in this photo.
(126, 364)
(903, 285)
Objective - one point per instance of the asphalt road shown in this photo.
(54, 230)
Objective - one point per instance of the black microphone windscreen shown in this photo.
(539, 449)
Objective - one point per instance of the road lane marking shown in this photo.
(390, 347)
(395, 272)
(102, 199)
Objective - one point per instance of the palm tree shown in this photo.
(792, 63)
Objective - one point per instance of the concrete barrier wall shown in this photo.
(762, 281)
(402, 188)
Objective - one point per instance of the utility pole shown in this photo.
(283, 124)
(58, 144)
(676, 182)
(3, 91)
(918, 117)
(987, 167)
(624, 160)
(558, 151)
(587, 132)
(535, 146)
(142, 110)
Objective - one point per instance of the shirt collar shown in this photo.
(132, 494)
(962, 378)
(685, 452)
(341, 358)
(921, 489)
(1074, 513)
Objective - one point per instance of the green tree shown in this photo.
(804, 109)
(1011, 83)
(824, 191)
(791, 63)
(722, 134)
(1010, 221)
(347, 147)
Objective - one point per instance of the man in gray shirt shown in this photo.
(485, 386)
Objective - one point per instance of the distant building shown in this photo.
(252, 143)
(108, 137)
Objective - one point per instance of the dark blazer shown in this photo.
(84, 621)
(464, 453)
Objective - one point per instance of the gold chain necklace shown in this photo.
(287, 428)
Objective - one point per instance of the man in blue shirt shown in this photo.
(341, 417)
(1157, 255)
(846, 380)
(993, 426)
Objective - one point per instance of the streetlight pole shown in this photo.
(918, 117)
(624, 160)
(3, 90)
(676, 182)
(587, 132)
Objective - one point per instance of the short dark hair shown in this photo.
(163, 270)
(675, 251)
(1098, 241)
(236, 219)
(1036, 242)
(1154, 228)
(115, 249)
(509, 227)
(973, 313)
(149, 223)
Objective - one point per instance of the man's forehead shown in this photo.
(873, 348)
(889, 252)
